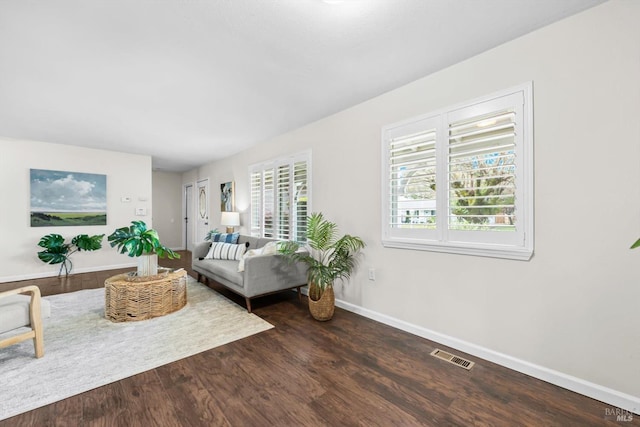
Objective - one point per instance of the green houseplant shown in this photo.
(636, 244)
(57, 250)
(328, 257)
(139, 241)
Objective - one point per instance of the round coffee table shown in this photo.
(129, 298)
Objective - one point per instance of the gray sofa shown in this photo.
(262, 275)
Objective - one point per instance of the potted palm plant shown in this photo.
(57, 250)
(328, 257)
(139, 241)
(636, 244)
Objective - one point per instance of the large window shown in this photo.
(460, 180)
(280, 197)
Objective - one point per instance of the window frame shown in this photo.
(518, 246)
(273, 167)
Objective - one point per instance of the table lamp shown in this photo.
(230, 220)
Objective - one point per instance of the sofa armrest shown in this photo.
(270, 273)
(200, 250)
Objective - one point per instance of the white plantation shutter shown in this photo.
(482, 179)
(283, 204)
(300, 201)
(412, 177)
(268, 208)
(255, 180)
(481, 157)
(280, 198)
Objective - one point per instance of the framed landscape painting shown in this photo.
(60, 198)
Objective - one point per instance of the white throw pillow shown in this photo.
(227, 251)
(270, 248)
(248, 254)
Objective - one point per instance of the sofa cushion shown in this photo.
(252, 241)
(227, 270)
(226, 251)
(264, 240)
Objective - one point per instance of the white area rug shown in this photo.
(83, 350)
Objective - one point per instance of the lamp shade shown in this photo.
(230, 219)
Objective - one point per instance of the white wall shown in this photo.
(127, 176)
(572, 309)
(167, 208)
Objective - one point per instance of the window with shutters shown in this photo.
(280, 197)
(460, 180)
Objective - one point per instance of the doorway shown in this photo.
(187, 208)
(202, 222)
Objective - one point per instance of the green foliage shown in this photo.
(636, 244)
(137, 240)
(478, 195)
(57, 251)
(328, 257)
(482, 187)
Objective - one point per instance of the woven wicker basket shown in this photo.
(127, 300)
(323, 308)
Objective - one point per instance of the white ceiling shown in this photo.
(192, 81)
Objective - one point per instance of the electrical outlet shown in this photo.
(372, 274)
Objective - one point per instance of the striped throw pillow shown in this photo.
(225, 237)
(227, 251)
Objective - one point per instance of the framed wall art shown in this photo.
(227, 194)
(61, 198)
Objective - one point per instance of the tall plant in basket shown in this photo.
(328, 257)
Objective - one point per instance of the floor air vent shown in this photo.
(458, 361)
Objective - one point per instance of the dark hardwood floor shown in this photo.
(348, 371)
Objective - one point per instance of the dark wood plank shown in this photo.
(349, 371)
(193, 402)
(147, 401)
(103, 407)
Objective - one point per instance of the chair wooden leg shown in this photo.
(38, 341)
(248, 304)
(36, 324)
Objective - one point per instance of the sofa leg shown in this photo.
(248, 304)
(199, 277)
(299, 294)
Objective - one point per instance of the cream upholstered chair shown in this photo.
(17, 311)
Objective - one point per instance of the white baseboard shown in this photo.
(604, 394)
(54, 273)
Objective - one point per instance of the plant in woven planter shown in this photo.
(328, 257)
(139, 241)
(57, 250)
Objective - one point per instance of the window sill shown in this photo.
(491, 251)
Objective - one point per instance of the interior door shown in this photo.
(188, 215)
(202, 223)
